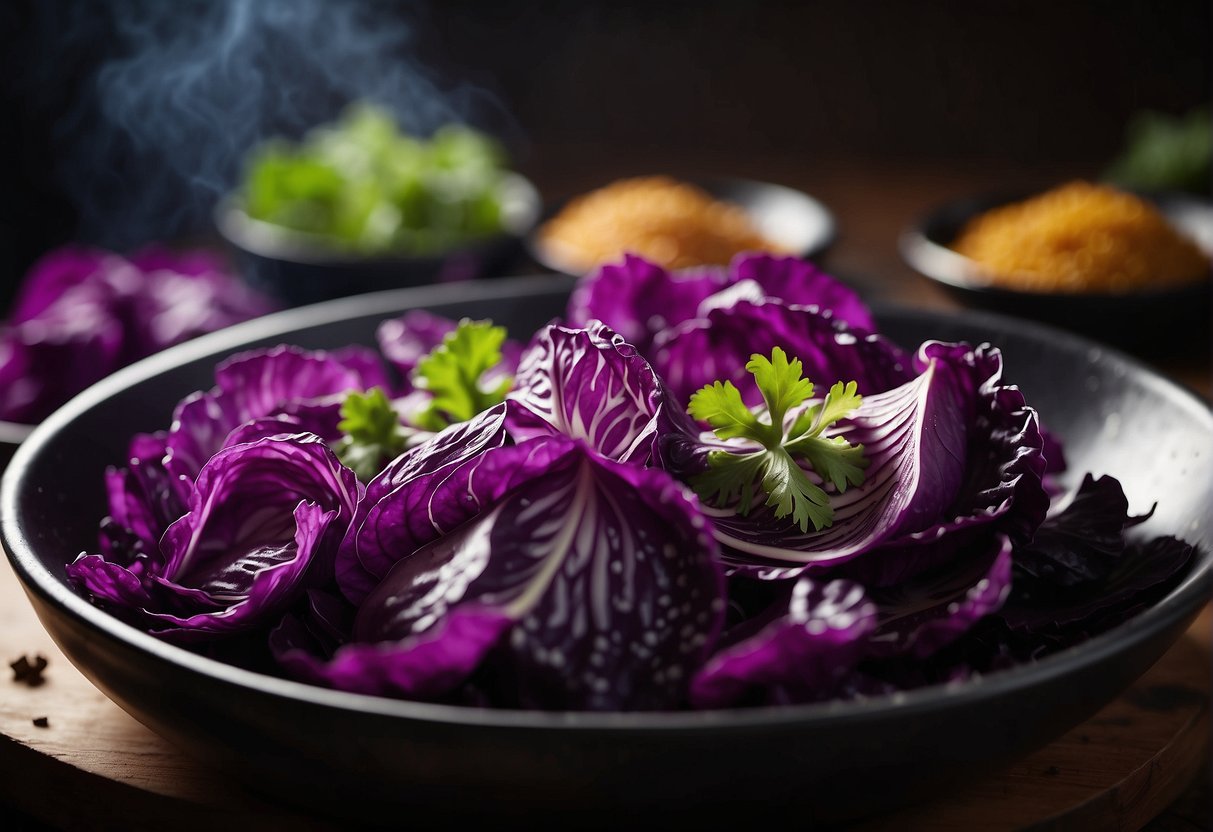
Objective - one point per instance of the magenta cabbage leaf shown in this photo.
(825, 638)
(423, 494)
(586, 585)
(639, 299)
(81, 314)
(716, 347)
(263, 520)
(914, 439)
(586, 384)
(309, 386)
(804, 646)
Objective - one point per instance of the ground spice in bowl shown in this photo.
(1081, 237)
(671, 223)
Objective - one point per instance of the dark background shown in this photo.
(585, 92)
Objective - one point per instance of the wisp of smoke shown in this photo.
(185, 89)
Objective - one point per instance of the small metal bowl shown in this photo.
(789, 218)
(1152, 321)
(300, 268)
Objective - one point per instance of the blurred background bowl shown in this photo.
(1163, 321)
(300, 268)
(793, 220)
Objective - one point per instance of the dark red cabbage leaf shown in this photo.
(586, 384)
(823, 638)
(588, 585)
(1081, 569)
(1083, 541)
(804, 646)
(639, 299)
(307, 385)
(263, 522)
(717, 346)
(81, 314)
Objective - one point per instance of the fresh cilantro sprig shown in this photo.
(773, 468)
(453, 373)
(373, 433)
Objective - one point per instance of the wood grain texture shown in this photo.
(95, 764)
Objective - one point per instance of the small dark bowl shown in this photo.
(1166, 321)
(390, 761)
(300, 268)
(790, 218)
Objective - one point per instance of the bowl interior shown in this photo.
(1115, 417)
(792, 219)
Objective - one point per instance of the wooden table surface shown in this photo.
(1123, 767)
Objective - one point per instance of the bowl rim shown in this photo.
(277, 242)
(533, 239)
(1181, 603)
(936, 261)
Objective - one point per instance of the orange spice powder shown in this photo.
(663, 220)
(1081, 237)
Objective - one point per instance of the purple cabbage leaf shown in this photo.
(586, 384)
(420, 496)
(263, 522)
(309, 386)
(639, 299)
(81, 314)
(800, 649)
(713, 348)
(588, 585)
(913, 439)
(952, 457)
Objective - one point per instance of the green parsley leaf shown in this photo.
(839, 402)
(373, 434)
(780, 383)
(453, 374)
(790, 491)
(730, 476)
(834, 459)
(775, 467)
(720, 405)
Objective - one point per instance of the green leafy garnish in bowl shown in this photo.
(770, 457)
(362, 186)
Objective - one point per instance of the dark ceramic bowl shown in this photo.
(1166, 321)
(363, 757)
(300, 268)
(790, 218)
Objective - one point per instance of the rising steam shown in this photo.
(182, 91)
